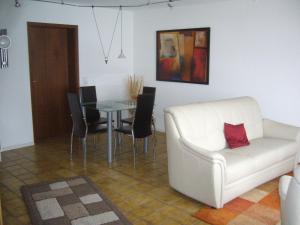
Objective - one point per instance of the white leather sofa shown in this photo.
(202, 167)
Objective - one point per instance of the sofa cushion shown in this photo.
(260, 154)
(203, 123)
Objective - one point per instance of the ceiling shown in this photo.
(154, 3)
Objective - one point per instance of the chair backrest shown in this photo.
(149, 90)
(88, 94)
(79, 125)
(143, 116)
(92, 114)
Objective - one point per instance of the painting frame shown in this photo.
(174, 62)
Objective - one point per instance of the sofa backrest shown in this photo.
(202, 124)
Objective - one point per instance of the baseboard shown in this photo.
(12, 147)
(160, 129)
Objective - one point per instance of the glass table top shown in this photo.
(110, 106)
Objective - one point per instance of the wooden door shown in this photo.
(53, 74)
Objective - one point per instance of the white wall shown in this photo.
(111, 79)
(255, 51)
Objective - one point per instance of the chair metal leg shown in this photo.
(119, 124)
(134, 152)
(134, 148)
(154, 146)
(84, 150)
(121, 140)
(71, 150)
(95, 141)
(155, 140)
(115, 145)
(146, 141)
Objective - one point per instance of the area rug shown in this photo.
(72, 201)
(261, 206)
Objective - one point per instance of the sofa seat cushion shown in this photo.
(260, 154)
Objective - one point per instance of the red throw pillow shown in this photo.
(235, 135)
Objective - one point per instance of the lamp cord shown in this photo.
(121, 28)
(110, 6)
(106, 56)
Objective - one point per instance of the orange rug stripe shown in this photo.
(272, 200)
(241, 211)
(216, 216)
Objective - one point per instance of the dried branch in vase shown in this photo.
(135, 85)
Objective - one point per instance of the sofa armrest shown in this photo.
(280, 130)
(195, 172)
(284, 184)
(202, 153)
(204, 172)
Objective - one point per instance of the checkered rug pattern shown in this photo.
(74, 201)
(260, 206)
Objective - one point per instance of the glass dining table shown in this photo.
(109, 107)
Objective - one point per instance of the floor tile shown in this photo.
(142, 194)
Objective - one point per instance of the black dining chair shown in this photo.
(88, 95)
(146, 90)
(149, 90)
(80, 127)
(141, 126)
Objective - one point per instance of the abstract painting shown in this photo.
(183, 55)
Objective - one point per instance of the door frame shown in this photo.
(73, 56)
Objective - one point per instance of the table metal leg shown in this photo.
(119, 117)
(109, 138)
(146, 140)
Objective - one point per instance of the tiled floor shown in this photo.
(142, 194)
